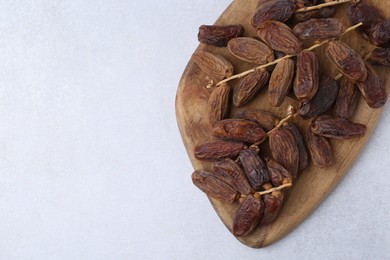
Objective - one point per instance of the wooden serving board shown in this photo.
(314, 184)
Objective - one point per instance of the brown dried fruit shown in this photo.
(303, 155)
(303, 3)
(280, 82)
(263, 118)
(219, 149)
(250, 50)
(219, 35)
(213, 186)
(255, 168)
(380, 33)
(346, 60)
(337, 128)
(307, 76)
(215, 66)
(319, 29)
(278, 10)
(347, 99)
(248, 216)
(324, 12)
(284, 149)
(320, 150)
(322, 101)
(380, 56)
(218, 103)
(272, 205)
(239, 130)
(234, 173)
(278, 173)
(373, 89)
(249, 86)
(279, 36)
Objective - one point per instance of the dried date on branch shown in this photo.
(248, 216)
(346, 60)
(284, 149)
(250, 50)
(324, 12)
(380, 33)
(307, 76)
(365, 13)
(233, 171)
(319, 29)
(347, 99)
(215, 66)
(219, 149)
(218, 103)
(373, 89)
(322, 101)
(255, 168)
(219, 35)
(278, 173)
(265, 119)
(213, 186)
(272, 205)
(280, 82)
(380, 56)
(303, 155)
(277, 10)
(337, 128)
(279, 36)
(320, 150)
(249, 86)
(239, 130)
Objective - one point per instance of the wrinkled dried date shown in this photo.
(307, 76)
(255, 168)
(319, 29)
(320, 150)
(337, 128)
(347, 99)
(239, 130)
(380, 56)
(322, 101)
(234, 173)
(279, 36)
(324, 12)
(215, 66)
(213, 186)
(248, 216)
(219, 35)
(250, 50)
(218, 103)
(278, 173)
(284, 149)
(303, 155)
(249, 86)
(272, 205)
(346, 60)
(277, 10)
(280, 82)
(219, 149)
(373, 89)
(380, 33)
(263, 118)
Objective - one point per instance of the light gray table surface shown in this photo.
(92, 165)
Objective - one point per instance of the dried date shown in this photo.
(303, 155)
(307, 76)
(265, 119)
(373, 89)
(380, 33)
(248, 216)
(239, 130)
(319, 29)
(324, 12)
(219, 149)
(215, 66)
(280, 82)
(272, 205)
(337, 128)
(320, 150)
(219, 35)
(249, 86)
(277, 10)
(380, 56)
(347, 99)
(278, 174)
(255, 168)
(250, 50)
(218, 103)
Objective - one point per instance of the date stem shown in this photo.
(316, 7)
(281, 187)
(242, 74)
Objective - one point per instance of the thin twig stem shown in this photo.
(281, 187)
(316, 7)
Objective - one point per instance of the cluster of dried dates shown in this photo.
(239, 171)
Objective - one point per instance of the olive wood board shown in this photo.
(314, 184)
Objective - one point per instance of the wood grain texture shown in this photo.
(314, 184)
